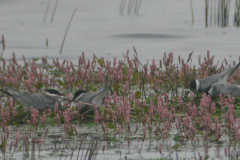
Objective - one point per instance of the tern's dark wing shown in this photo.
(225, 89)
(42, 102)
(30, 99)
(49, 102)
(11, 90)
(205, 83)
(93, 97)
(87, 97)
(17, 96)
(228, 89)
(229, 72)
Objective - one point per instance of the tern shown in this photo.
(225, 89)
(39, 101)
(97, 97)
(203, 85)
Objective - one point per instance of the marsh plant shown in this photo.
(217, 13)
(132, 6)
(144, 102)
(237, 14)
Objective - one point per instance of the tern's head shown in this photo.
(78, 93)
(193, 84)
(53, 92)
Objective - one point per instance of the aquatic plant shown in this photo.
(131, 6)
(236, 14)
(219, 15)
(145, 102)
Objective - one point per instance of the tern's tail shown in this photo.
(7, 93)
(8, 87)
(229, 73)
(14, 95)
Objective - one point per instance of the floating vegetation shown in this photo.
(145, 103)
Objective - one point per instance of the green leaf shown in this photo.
(89, 88)
(236, 105)
(20, 148)
(110, 125)
(100, 62)
(138, 94)
(39, 85)
(116, 86)
(3, 145)
(125, 70)
(50, 121)
(224, 109)
(237, 114)
(176, 147)
(36, 59)
(113, 139)
(40, 134)
(145, 108)
(60, 82)
(65, 91)
(177, 138)
(136, 75)
(45, 66)
(14, 123)
(237, 100)
(56, 72)
(206, 157)
(149, 99)
(71, 133)
(89, 124)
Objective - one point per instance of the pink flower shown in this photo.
(119, 129)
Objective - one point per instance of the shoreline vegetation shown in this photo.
(145, 102)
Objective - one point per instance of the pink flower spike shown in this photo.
(136, 129)
(119, 129)
(46, 132)
(74, 128)
(56, 107)
(144, 133)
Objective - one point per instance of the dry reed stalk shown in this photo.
(123, 2)
(46, 11)
(192, 12)
(67, 30)
(54, 10)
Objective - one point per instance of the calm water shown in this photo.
(98, 27)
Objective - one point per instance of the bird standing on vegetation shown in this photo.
(39, 101)
(203, 85)
(97, 97)
(225, 89)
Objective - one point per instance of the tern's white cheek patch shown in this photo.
(210, 92)
(197, 85)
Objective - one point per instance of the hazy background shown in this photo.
(98, 27)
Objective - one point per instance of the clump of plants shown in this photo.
(144, 102)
